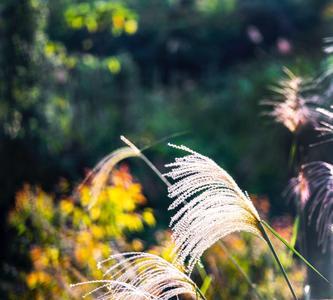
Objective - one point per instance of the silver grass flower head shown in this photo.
(320, 176)
(139, 276)
(212, 206)
(299, 187)
(99, 176)
(291, 108)
(326, 125)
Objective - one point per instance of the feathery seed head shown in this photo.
(326, 126)
(299, 186)
(320, 177)
(213, 206)
(292, 109)
(139, 276)
(99, 176)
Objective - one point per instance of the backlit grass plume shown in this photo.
(138, 276)
(299, 187)
(326, 126)
(290, 108)
(320, 176)
(213, 206)
(100, 174)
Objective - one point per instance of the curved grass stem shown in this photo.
(202, 296)
(145, 159)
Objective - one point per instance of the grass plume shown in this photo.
(138, 276)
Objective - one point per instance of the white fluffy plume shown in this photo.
(141, 276)
(213, 206)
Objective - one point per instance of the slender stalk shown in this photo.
(303, 235)
(295, 231)
(240, 269)
(200, 293)
(292, 153)
(166, 138)
(294, 161)
(266, 237)
(203, 275)
(146, 160)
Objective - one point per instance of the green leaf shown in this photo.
(290, 247)
(206, 279)
(206, 284)
(295, 232)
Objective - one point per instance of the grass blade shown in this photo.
(206, 284)
(145, 159)
(291, 248)
(295, 232)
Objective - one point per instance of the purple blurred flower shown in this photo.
(254, 34)
(284, 46)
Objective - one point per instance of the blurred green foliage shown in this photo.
(102, 15)
(74, 75)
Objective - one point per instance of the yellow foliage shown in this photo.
(113, 65)
(38, 278)
(49, 49)
(84, 195)
(66, 206)
(97, 231)
(118, 21)
(95, 212)
(137, 245)
(68, 240)
(131, 26)
(91, 24)
(148, 217)
(77, 22)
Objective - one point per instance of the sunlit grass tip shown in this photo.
(99, 176)
(299, 187)
(137, 276)
(325, 126)
(290, 107)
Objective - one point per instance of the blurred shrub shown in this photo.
(66, 240)
(102, 15)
